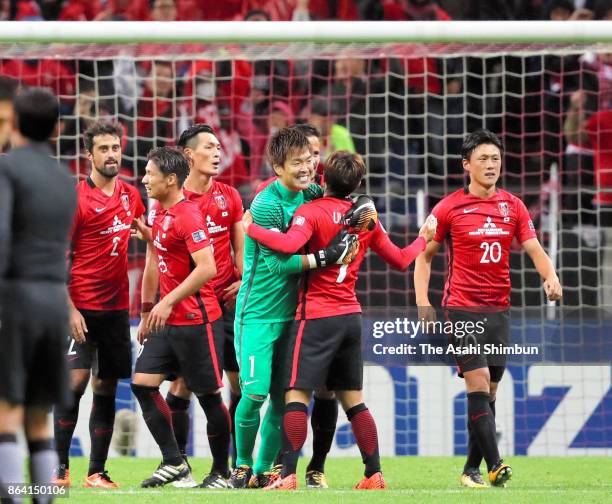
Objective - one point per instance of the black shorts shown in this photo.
(229, 351)
(325, 352)
(482, 330)
(193, 352)
(34, 325)
(107, 349)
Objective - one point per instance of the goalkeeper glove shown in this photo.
(341, 250)
(362, 216)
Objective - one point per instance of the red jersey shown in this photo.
(479, 233)
(330, 291)
(221, 206)
(178, 232)
(99, 245)
(599, 129)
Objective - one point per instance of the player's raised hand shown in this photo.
(362, 216)
(158, 316)
(247, 220)
(342, 250)
(552, 288)
(428, 229)
(78, 327)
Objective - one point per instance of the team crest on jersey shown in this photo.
(220, 201)
(503, 209)
(125, 199)
(166, 223)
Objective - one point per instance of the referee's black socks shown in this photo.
(158, 418)
(482, 424)
(364, 429)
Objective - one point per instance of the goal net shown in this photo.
(406, 108)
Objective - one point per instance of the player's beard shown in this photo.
(108, 171)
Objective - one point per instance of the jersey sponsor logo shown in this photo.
(198, 236)
(212, 226)
(117, 227)
(220, 201)
(489, 229)
(299, 220)
(503, 209)
(470, 210)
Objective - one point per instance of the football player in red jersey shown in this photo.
(479, 224)
(325, 345)
(182, 334)
(107, 209)
(221, 207)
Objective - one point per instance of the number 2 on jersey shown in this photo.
(116, 241)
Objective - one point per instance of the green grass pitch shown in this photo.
(411, 479)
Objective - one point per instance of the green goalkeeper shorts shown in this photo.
(261, 352)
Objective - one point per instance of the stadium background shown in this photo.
(405, 107)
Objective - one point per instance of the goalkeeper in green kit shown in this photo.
(267, 301)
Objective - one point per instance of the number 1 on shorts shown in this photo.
(252, 361)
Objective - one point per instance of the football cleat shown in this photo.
(473, 479)
(61, 476)
(499, 474)
(374, 482)
(214, 480)
(166, 473)
(286, 483)
(316, 479)
(99, 480)
(240, 477)
(266, 478)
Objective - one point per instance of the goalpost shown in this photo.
(407, 93)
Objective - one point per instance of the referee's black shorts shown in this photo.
(33, 328)
(325, 352)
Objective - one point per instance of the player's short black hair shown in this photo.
(283, 143)
(37, 113)
(8, 88)
(344, 172)
(189, 137)
(101, 128)
(308, 129)
(477, 138)
(170, 160)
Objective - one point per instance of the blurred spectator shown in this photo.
(8, 88)
(341, 10)
(334, 137)
(413, 10)
(164, 10)
(52, 74)
(595, 132)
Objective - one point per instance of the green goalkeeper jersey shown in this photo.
(269, 288)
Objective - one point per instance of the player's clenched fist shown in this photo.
(552, 288)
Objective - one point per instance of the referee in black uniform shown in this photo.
(37, 201)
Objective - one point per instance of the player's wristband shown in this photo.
(312, 261)
(146, 307)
